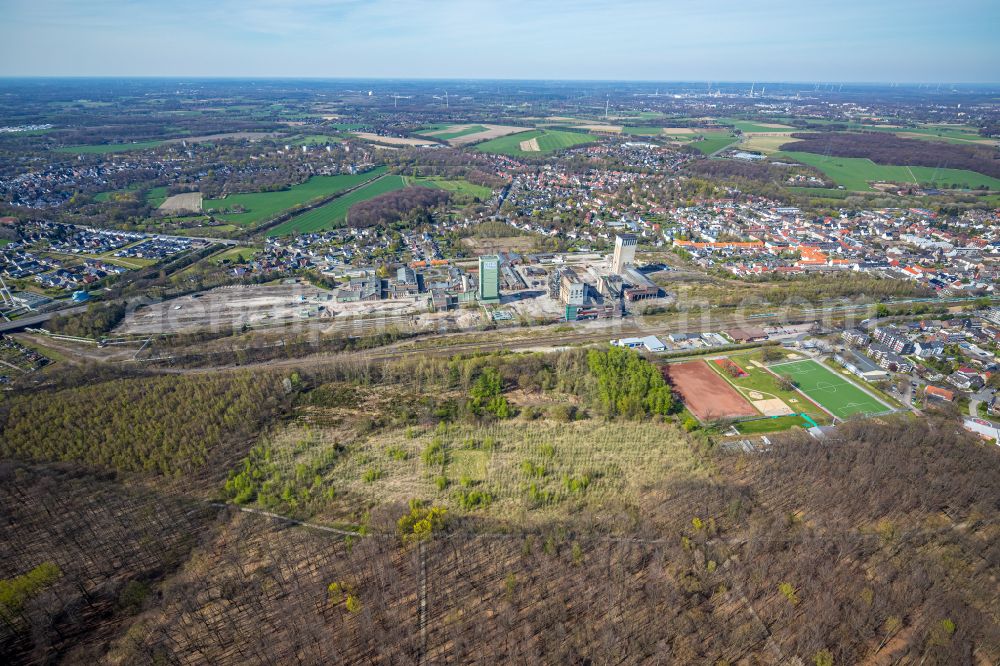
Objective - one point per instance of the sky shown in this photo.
(649, 40)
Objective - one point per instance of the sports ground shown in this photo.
(707, 395)
(836, 394)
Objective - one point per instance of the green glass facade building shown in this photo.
(489, 278)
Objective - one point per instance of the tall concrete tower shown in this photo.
(489, 278)
(624, 256)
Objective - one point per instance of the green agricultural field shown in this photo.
(104, 197)
(820, 192)
(155, 196)
(430, 129)
(839, 396)
(746, 126)
(263, 206)
(761, 143)
(333, 213)
(510, 144)
(133, 263)
(961, 134)
(235, 253)
(104, 148)
(444, 136)
(948, 133)
(315, 140)
(552, 141)
(457, 186)
(217, 230)
(642, 131)
(854, 173)
(713, 141)
(549, 141)
(39, 132)
(641, 115)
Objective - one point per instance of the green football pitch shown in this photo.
(837, 395)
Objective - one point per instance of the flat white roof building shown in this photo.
(649, 342)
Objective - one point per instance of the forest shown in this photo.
(741, 170)
(394, 206)
(571, 521)
(886, 148)
(98, 319)
(473, 167)
(167, 425)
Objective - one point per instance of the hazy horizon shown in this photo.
(634, 40)
(293, 77)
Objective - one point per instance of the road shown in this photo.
(984, 395)
(208, 239)
(35, 320)
(278, 516)
(912, 388)
(980, 426)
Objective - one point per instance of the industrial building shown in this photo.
(745, 334)
(649, 343)
(624, 255)
(572, 291)
(489, 278)
(579, 299)
(638, 287)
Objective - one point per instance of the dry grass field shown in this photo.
(531, 470)
(392, 140)
(530, 146)
(764, 142)
(188, 202)
(599, 127)
(492, 132)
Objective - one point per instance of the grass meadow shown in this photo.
(456, 186)
(447, 133)
(527, 469)
(549, 141)
(855, 173)
(105, 148)
(713, 141)
(333, 213)
(262, 206)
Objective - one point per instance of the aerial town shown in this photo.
(467, 349)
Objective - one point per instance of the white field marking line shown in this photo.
(830, 389)
(889, 408)
(825, 385)
(805, 395)
(799, 370)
